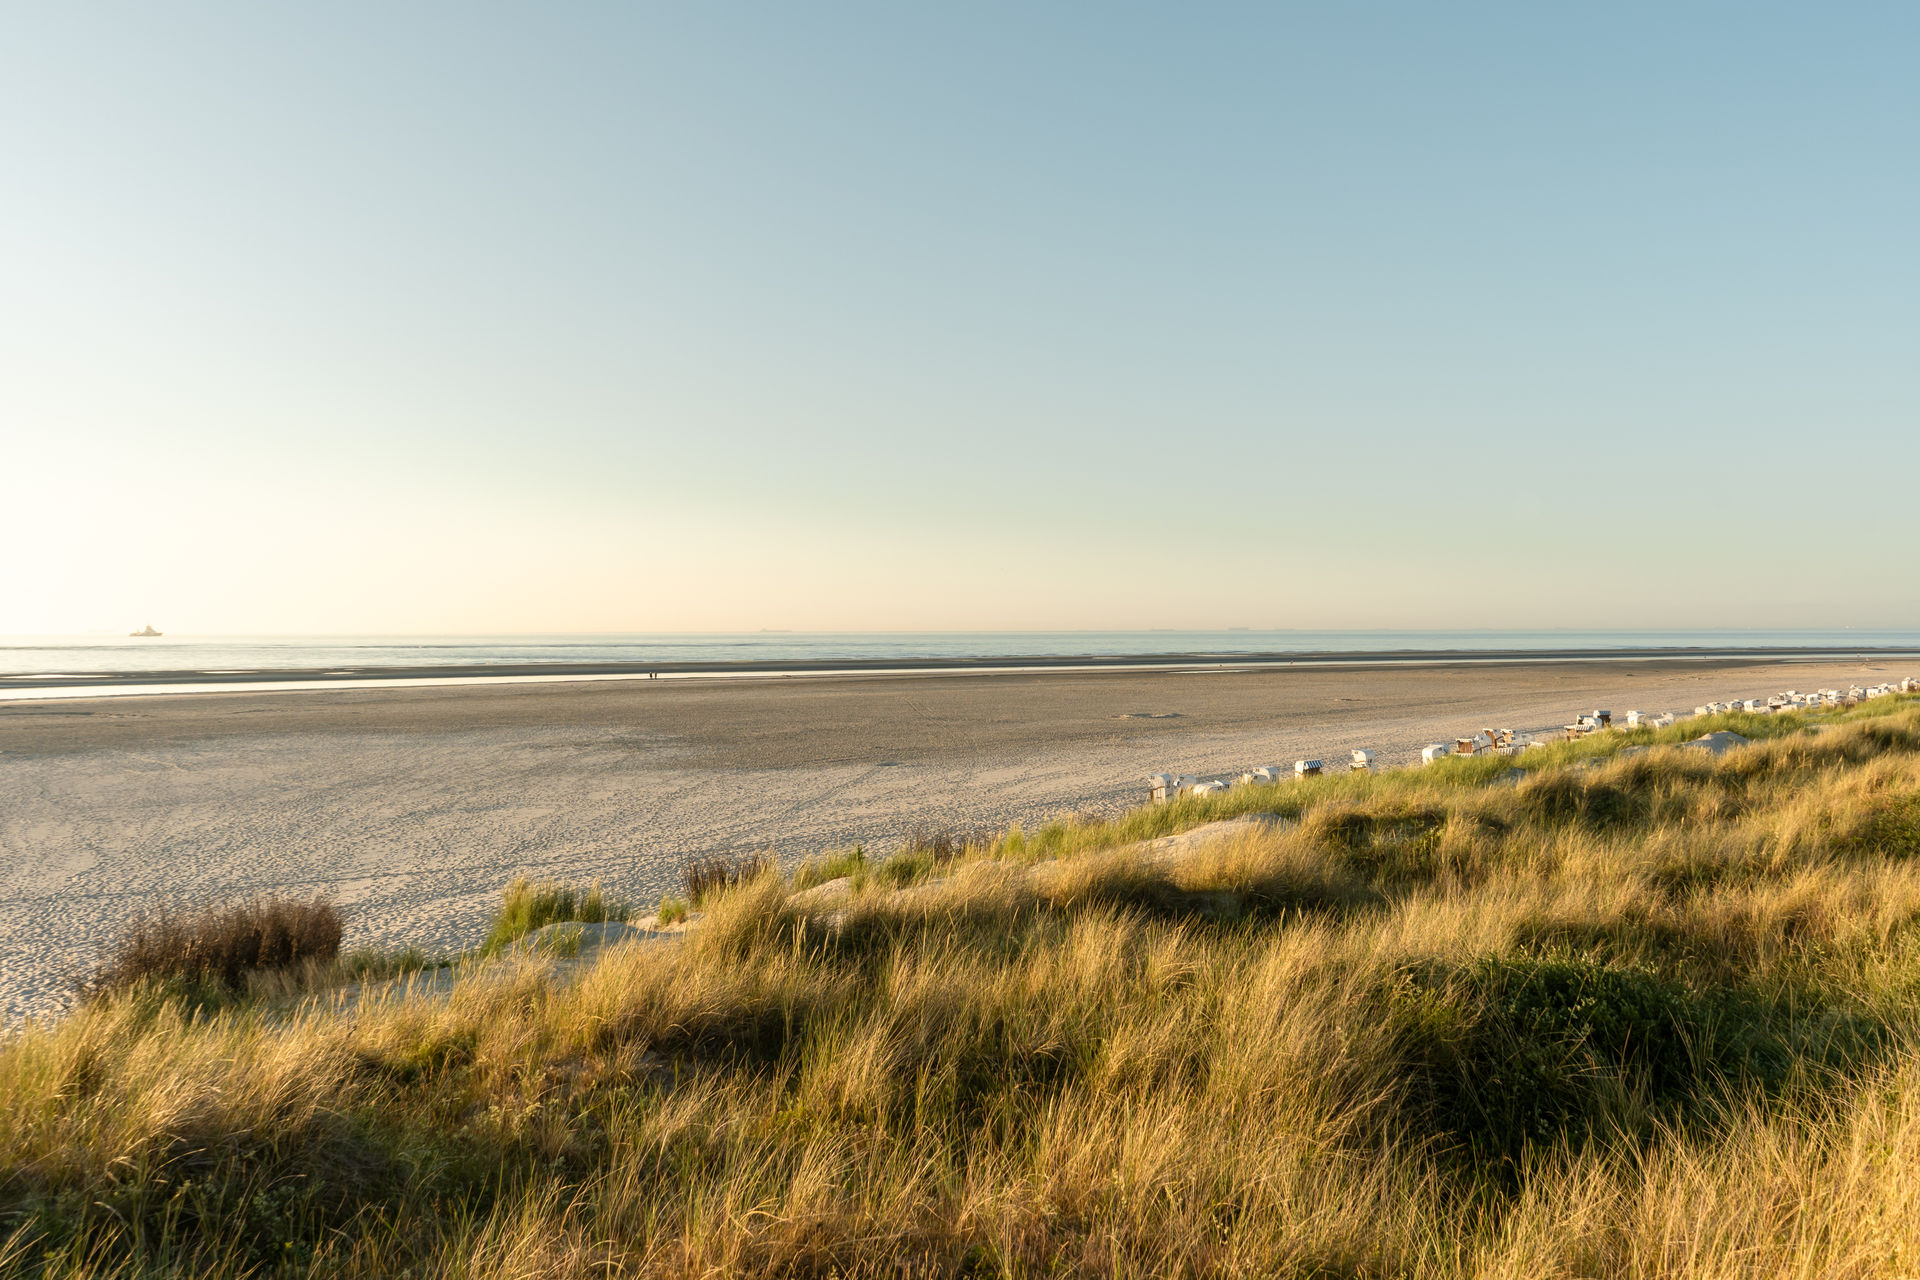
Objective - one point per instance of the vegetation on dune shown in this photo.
(219, 948)
(831, 866)
(1622, 1014)
(528, 905)
(707, 876)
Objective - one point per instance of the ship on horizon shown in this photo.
(144, 631)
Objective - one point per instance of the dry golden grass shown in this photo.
(223, 946)
(1629, 1015)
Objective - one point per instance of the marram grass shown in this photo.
(1622, 1015)
(528, 905)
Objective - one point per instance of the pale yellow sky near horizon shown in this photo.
(897, 320)
(330, 549)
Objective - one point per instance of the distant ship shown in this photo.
(144, 631)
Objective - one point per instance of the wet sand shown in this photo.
(413, 806)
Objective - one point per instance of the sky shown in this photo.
(476, 318)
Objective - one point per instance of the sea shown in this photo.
(84, 656)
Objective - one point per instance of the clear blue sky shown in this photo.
(479, 318)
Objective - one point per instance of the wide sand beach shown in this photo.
(414, 806)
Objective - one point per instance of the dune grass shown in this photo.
(1626, 1014)
(221, 947)
(706, 876)
(529, 904)
(831, 866)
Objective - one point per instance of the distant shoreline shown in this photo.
(51, 685)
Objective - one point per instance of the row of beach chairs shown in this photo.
(1162, 787)
(1794, 700)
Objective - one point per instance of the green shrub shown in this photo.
(1891, 831)
(1390, 848)
(672, 910)
(1513, 1053)
(1563, 797)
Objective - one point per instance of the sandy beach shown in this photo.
(414, 806)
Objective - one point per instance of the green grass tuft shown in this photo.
(528, 905)
(831, 866)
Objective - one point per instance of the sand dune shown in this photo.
(414, 806)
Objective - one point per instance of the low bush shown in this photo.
(1513, 1053)
(1563, 798)
(1890, 830)
(220, 946)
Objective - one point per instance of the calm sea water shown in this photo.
(104, 655)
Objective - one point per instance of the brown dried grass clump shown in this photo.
(220, 945)
(708, 875)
